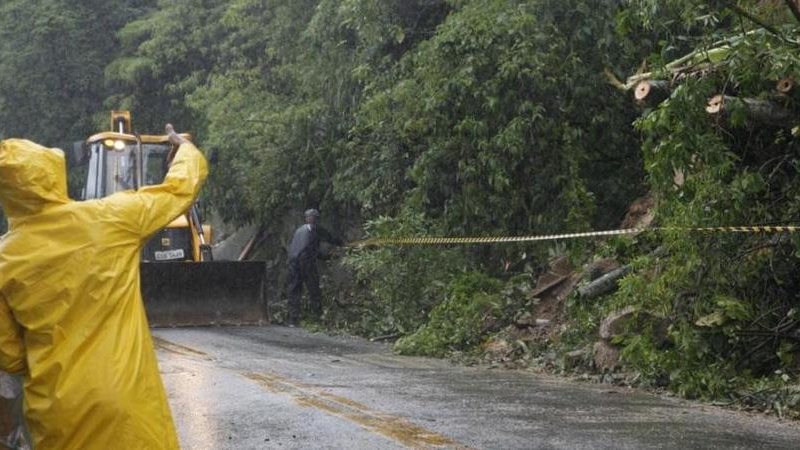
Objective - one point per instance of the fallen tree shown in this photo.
(603, 285)
(651, 92)
(786, 86)
(763, 112)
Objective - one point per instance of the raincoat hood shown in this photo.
(32, 177)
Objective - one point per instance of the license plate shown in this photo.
(168, 255)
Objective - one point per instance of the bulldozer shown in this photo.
(181, 283)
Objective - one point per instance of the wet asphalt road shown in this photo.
(277, 387)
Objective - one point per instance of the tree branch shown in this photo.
(738, 10)
(794, 8)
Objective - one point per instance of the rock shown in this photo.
(542, 323)
(574, 359)
(551, 297)
(633, 320)
(600, 267)
(560, 270)
(614, 324)
(605, 356)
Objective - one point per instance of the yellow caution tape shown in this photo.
(554, 237)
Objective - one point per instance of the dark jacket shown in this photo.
(305, 242)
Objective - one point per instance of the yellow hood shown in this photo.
(32, 178)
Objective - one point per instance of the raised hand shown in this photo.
(174, 137)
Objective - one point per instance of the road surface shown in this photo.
(286, 388)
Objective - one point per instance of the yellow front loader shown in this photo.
(181, 284)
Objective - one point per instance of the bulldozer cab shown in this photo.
(120, 160)
(115, 165)
(181, 284)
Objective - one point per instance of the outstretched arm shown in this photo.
(160, 204)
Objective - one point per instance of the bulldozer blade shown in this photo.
(184, 294)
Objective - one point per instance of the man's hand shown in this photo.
(174, 138)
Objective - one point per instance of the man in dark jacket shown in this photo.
(303, 254)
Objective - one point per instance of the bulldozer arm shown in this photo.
(211, 293)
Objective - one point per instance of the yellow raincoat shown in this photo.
(72, 320)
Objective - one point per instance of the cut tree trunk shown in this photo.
(603, 285)
(787, 89)
(785, 86)
(651, 92)
(760, 111)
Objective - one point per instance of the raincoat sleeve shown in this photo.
(12, 349)
(162, 203)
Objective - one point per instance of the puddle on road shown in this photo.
(396, 428)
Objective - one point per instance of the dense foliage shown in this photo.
(732, 299)
(53, 56)
(454, 117)
(501, 122)
(474, 306)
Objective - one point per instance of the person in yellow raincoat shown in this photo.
(72, 322)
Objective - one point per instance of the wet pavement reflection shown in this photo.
(276, 387)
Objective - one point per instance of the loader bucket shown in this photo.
(183, 294)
